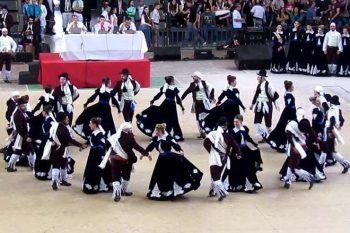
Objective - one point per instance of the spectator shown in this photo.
(146, 25)
(6, 20)
(258, 12)
(174, 10)
(78, 6)
(140, 7)
(311, 17)
(75, 23)
(283, 18)
(113, 19)
(42, 19)
(121, 10)
(131, 10)
(269, 17)
(102, 26)
(127, 25)
(290, 6)
(66, 11)
(246, 15)
(335, 16)
(208, 25)
(323, 10)
(155, 17)
(192, 24)
(296, 16)
(34, 11)
(30, 35)
(277, 5)
(236, 17)
(7, 49)
(24, 10)
(106, 9)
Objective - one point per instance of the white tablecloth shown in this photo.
(103, 46)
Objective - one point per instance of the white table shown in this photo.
(103, 46)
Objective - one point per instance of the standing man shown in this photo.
(6, 20)
(155, 17)
(126, 89)
(50, 19)
(34, 11)
(237, 20)
(220, 146)
(23, 142)
(264, 96)
(66, 11)
(332, 47)
(258, 12)
(65, 94)
(7, 49)
(78, 6)
(203, 96)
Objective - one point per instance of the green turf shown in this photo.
(157, 82)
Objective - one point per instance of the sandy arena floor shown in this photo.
(29, 205)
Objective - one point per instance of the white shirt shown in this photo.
(258, 11)
(78, 5)
(333, 39)
(7, 43)
(43, 15)
(236, 15)
(123, 28)
(155, 16)
(107, 26)
(79, 25)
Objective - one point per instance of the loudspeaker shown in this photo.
(253, 57)
(34, 67)
(168, 53)
(24, 57)
(26, 77)
(255, 36)
(202, 54)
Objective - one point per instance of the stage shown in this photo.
(89, 73)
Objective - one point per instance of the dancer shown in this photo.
(203, 96)
(296, 143)
(96, 179)
(294, 53)
(45, 100)
(229, 109)
(307, 45)
(42, 168)
(126, 89)
(320, 67)
(173, 175)
(121, 156)
(277, 138)
(278, 61)
(221, 147)
(242, 172)
(61, 136)
(166, 112)
(264, 96)
(332, 47)
(65, 94)
(344, 58)
(102, 110)
(22, 140)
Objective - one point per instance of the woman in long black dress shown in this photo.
(101, 109)
(307, 50)
(277, 138)
(228, 109)
(173, 174)
(42, 168)
(241, 174)
(344, 57)
(320, 67)
(294, 53)
(278, 61)
(166, 112)
(96, 179)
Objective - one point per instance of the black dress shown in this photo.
(277, 138)
(307, 53)
(320, 66)
(42, 167)
(101, 109)
(294, 53)
(241, 174)
(44, 101)
(173, 174)
(344, 57)
(164, 113)
(229, 109)
(318, 120)
(278, 61)
(96, 179)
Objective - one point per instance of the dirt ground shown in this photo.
(29, 205)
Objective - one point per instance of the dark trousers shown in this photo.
(120, 169)
(57, 159)
(267, 116)
(332, 56)
(128, 110)
(215, 172)
(5, 58)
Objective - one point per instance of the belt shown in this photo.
(156, 23)
(104, 102)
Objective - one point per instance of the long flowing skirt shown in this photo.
(101, 110)
(96, 179)
(320, 67)
(173, 176)
(278, 61)
(208, 121)
(278, 138)
(164, 113)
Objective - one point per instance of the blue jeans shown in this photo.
(192, 32)
(212, 29)
(147, 32)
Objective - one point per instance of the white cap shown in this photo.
(15, 93)
(4, 30)
(198, 74)
(300, 114)
(319, 89)
(333, 24)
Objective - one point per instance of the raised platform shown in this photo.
(90, 73)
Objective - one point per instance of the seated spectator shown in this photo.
(258, 12)
(127, 25)
(30, 35)
(296, 16)
(102, 26)
(6, 20)
(75, 24)
(283, 18)
(131, 10)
